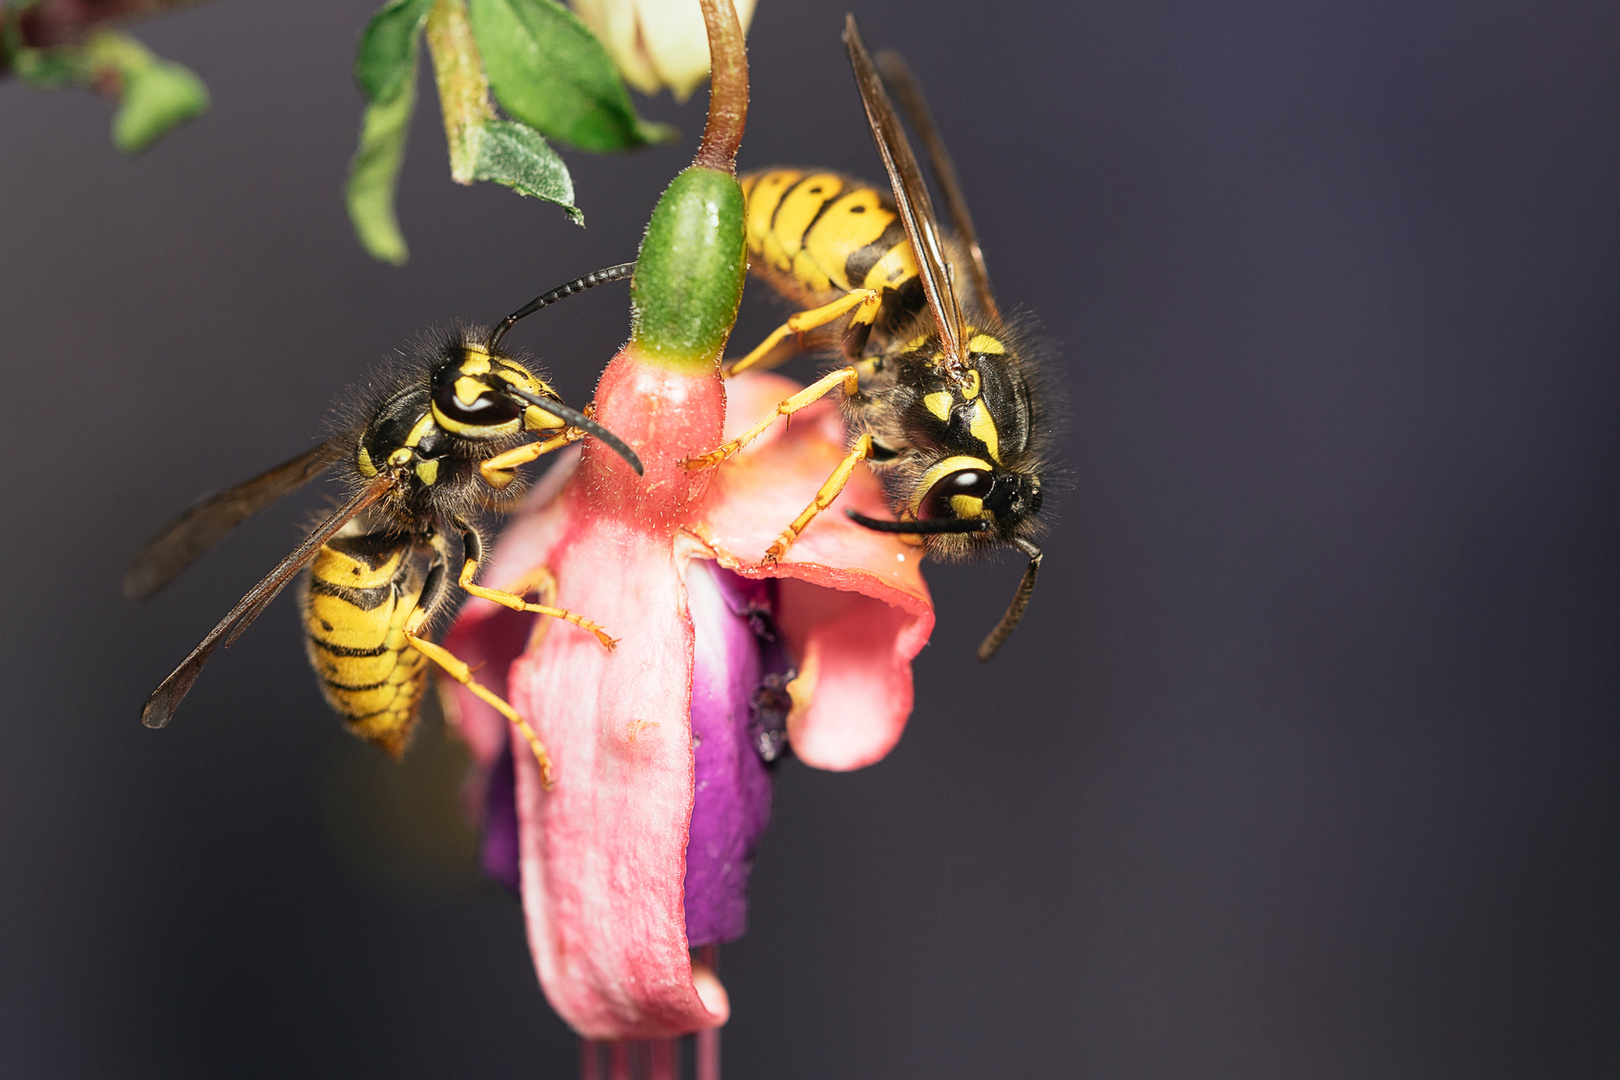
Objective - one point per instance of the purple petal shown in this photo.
(500, 846)
(737, 724)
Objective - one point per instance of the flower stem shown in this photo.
(708, 1040)
(728, 87)
(631, 1059)
(463, 87)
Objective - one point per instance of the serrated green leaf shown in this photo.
(548, 70)
(374, 171)
(386, 57)
(158, 97)
(514, 154)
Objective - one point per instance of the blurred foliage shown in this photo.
(533, 58)
(154, 96)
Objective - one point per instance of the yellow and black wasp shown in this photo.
(441, 440)
(941, 398)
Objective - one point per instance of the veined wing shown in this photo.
(159, 708)
(209, 519)
(907, 91)
(911, 199)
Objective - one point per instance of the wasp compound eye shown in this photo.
(960, 495)
(465, 400)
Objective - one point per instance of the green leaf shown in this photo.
(548, 70)
(386, 58)
(385, 67)
(514, 154)
(158, 97)
(374, 173)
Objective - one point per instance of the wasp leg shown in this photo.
(492, 468)
(847, 377)
(458, 670)
(473, 548)
(808, 320)
(434, 593)
(824, 498)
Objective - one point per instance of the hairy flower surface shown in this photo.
(641, 849)
(656, 43)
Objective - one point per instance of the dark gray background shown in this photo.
(1303, 764)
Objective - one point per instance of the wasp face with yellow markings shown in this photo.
(460, 408)
(440, 439)
(956, 447)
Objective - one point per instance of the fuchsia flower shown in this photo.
(641, 849)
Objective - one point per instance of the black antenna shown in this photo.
(925, 527)
(575, 418)
(578, 285)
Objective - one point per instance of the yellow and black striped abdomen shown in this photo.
(817, 235)
(359, 594)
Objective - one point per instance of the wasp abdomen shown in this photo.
(359, 594)
(817, 235)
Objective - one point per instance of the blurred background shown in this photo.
(1304, 762)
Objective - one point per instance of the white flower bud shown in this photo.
(656, 43)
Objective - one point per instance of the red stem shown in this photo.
(65, 22)
(708, 1040)
(590, 1060)
(68, 22)
(618, 1055)
(654, 1059)
(728, 88)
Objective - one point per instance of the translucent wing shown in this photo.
(910, 197)
(159, 708)
(208, 521)
(908, 94)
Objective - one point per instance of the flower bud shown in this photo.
(656, 43)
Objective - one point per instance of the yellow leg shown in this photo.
(541, 580)
(847, 377)
(522, 455)
(517, 603)
(458, 670)
(802, 321)
(824, 498)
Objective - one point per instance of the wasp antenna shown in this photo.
(1020, 601)
(930, 527)
(561, 292)
(574, 418)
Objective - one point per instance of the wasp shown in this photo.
(440, 440)
(940, 396)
